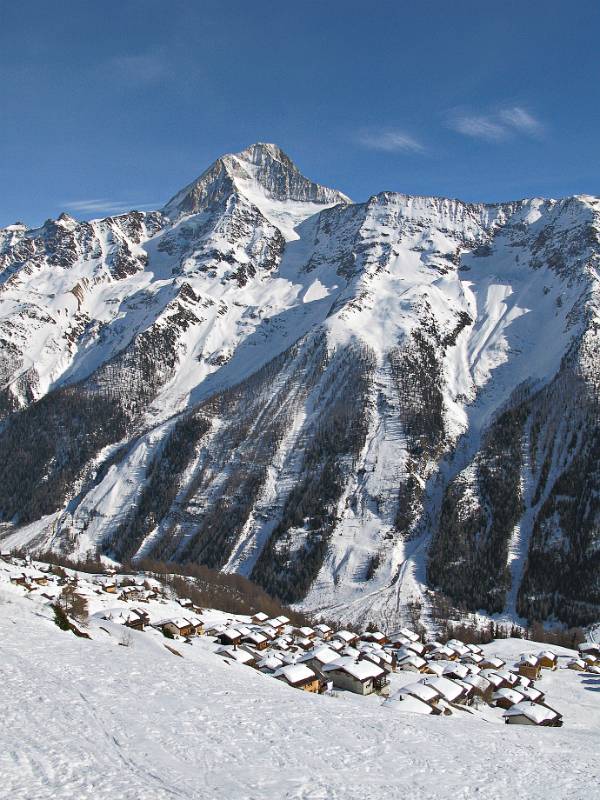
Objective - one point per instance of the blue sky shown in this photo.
(112, 105)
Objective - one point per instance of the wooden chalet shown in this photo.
(360, 677)
(507, 698)
(299, 676)
(450, 690)
(411, 662)
(591, 649)
(136, 619)
(530, 667)
(230, 636)
(256, 639)
(180, 626)
(374, 636)
(323, 631)
(347, 638)
(492, 662)
(527, 713)
(132, 593)
(547, 659)
(318, 658)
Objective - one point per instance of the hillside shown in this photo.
(357, 405)
(91, 717)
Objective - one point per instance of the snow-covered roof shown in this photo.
(407, 633)
(547, 654)
(345, 636)
(459, 670)
(589, 647)
(529, 660)
(530, 693)
(232, 633)
(534, 711)
(402, 701)
(492, 677)
(295, 673)
(422, 691)
(256, 637)
(416, 647)
(377, 636)
(412, 660)
(324, 654)
(475, 658)
(478, 682)
(361, 670)
(494, 661)
(449, 689)
(322, 628)
(260, 616)
(179, 622)
(239, 654)
(508, 694)
(270, 661)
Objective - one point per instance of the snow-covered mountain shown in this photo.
(352, 403)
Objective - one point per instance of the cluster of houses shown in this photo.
(448, 676)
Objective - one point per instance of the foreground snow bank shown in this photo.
(94, 719)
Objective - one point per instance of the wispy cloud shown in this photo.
(479, 127)
(105, 206)
(137, 70)
(521, 120)
(497, 126)
(390, 141)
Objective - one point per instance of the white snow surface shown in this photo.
(93, 719)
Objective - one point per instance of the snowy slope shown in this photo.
(89, 718)
(311, 392)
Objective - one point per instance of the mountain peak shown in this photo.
(261, 170)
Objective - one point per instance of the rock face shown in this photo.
(361, 406)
